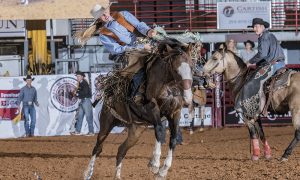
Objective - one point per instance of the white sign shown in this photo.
(239, 15)
(12, 28)
(185, 121)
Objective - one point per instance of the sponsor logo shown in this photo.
(62, 97)
(228, 11)
(8, 104)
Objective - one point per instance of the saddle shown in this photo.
(280, 80)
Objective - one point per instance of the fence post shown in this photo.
(218, 100)
(135, 13)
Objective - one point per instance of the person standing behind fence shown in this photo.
(248, 52)
(85, 105)
(28, 96)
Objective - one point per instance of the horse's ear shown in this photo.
(168, 48)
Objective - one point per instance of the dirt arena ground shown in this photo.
(214, 154)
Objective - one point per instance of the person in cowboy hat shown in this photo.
(83, 92)
(122, 27)
(251, 99)
(269, 49)
(118, 34)
(28, 95)
(248, 52)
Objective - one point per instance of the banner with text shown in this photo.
(57, 107)
(239, 15)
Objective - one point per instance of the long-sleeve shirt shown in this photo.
(83, 90)
(123, 34)
(28, 95)
(268, 49)
(247, 55)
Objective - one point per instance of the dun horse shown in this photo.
(168, 87)
(285, 97)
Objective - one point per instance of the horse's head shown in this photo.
(224, 61)
(180, 66)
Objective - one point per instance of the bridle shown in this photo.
(232, 80)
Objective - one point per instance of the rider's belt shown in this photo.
(122, 21)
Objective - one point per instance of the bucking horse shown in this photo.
(168, 88)
(284, 97)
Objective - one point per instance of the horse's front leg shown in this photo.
(154, 163)
(254, 140)
(174, 126)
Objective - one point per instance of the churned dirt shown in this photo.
(214, 154)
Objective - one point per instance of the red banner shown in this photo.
(8, 104)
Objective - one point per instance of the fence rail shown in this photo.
(179, 15)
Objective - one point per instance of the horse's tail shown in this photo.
(90, 168)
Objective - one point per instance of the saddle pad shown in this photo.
(283, 80)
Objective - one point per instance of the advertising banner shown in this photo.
(55, 114)
(185, 121)
(232, 118)
(8, 104)
(239, 15)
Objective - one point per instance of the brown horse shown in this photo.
(283, 99)
(168, 87)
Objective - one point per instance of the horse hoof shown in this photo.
(117, 178)
(159, 177)
(268, 156)
(153, 168)
(201, 130)
(283, 159)
(191, 132)
(254, 158)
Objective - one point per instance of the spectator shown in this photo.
(85, 105)
(231, 45)
(248, 52)
(28, 96)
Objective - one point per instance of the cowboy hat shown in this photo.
(80, 73)
(250, 42)
(259, 21)
(28, 77)
(98, 11)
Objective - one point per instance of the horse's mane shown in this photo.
(239, 60)
(172, 42)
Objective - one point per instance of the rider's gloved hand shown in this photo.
(147, 47)
(151, 33)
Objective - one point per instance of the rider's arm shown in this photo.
(263, 49)
(140, 26)
(114, 47)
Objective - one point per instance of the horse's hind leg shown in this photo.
(259, 128)
(106, 124)
(134, 132)
(294, 142)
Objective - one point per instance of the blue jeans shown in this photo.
(85, 108)
(277, 66)
(29, 111)
(179, 138)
